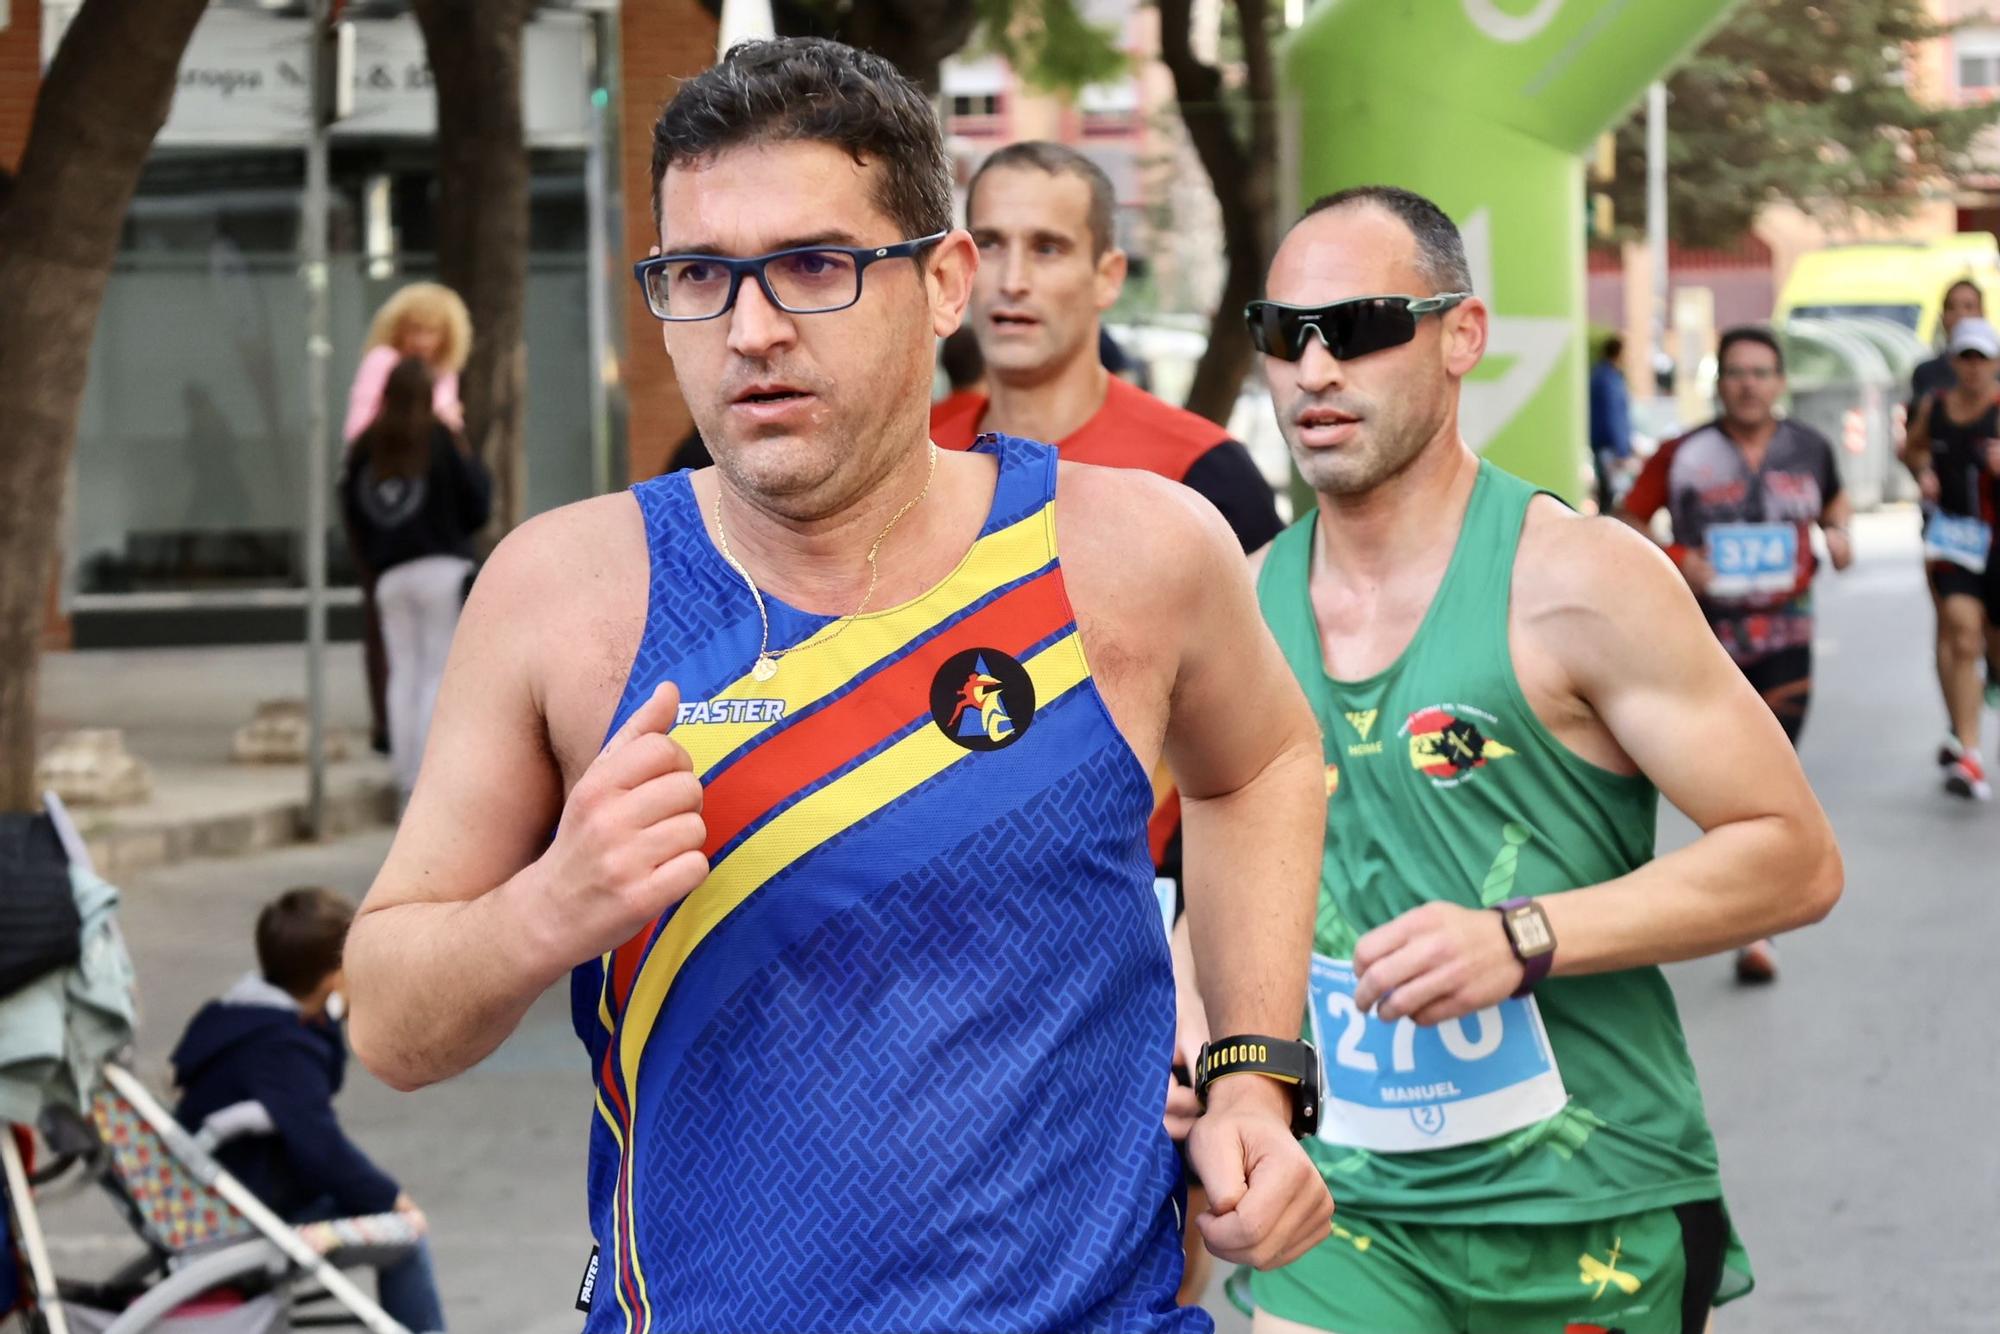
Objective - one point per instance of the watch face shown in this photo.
(1529, 929)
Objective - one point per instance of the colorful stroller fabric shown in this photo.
(224, 1264)
(177, 1212)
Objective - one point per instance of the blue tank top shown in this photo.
(899, 1063)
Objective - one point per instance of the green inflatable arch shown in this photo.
(1487, 106)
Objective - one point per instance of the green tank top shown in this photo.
(1443, 784)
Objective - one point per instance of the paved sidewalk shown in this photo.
(179, 710)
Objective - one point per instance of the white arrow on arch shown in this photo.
(1531, 344)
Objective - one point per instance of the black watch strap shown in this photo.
(1293, 1064)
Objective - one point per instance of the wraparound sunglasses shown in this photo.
(1348, 329)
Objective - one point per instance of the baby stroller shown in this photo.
(214, 1259)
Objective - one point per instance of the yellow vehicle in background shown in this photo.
(1902, 282)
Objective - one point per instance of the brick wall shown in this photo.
(20, 75)
(660, 42)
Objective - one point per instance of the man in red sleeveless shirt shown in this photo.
(1049, 267)
(1042, 217)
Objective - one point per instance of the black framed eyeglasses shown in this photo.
(1348, 329)
(805, 280)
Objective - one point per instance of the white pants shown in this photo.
(418, 602)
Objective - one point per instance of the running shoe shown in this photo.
(1757, 963)
(1967, 778)
(1949, 751)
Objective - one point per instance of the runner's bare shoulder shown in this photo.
(561, 603)
(562, 555)
(1584, 584)
(1140, 528)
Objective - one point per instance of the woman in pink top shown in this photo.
(423, 320)
(427, 321)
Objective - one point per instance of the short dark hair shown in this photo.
(1614, 348)
(809, 90)
(1978, 292)
(1440, 249)
(300, 935)
(1058, 160)
(964, 364)
(1749, 333)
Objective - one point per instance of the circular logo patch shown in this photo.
(982, 699)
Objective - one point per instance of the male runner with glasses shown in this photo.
(844, 743)
(1511, 1121)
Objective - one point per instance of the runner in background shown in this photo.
(1042, 215)
(1962, 300)
(1953, 448)
(1744, 493)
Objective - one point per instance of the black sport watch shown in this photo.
(1293, 1064)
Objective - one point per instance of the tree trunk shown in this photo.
(913, 35)
(475, 53)
(1244, 178)
(104, 99)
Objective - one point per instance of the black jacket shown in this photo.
(394, 520)
(248, 1047)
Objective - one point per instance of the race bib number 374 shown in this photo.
(1752, 559)
(1402, 1087)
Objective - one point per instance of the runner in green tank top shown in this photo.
(1514, 1135)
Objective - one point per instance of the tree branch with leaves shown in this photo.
(1809, 105)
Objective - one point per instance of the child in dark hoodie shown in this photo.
(274, 1040)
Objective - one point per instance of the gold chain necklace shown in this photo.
(767, 661)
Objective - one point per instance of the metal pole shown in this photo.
(28, 1227)
(597, 266)
(319, 349)
(1656, 213)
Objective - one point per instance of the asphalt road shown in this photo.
(1854, 1101)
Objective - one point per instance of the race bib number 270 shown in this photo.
(1402, 1087)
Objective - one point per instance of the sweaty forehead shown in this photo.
(1358, 250)
(752, 198)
